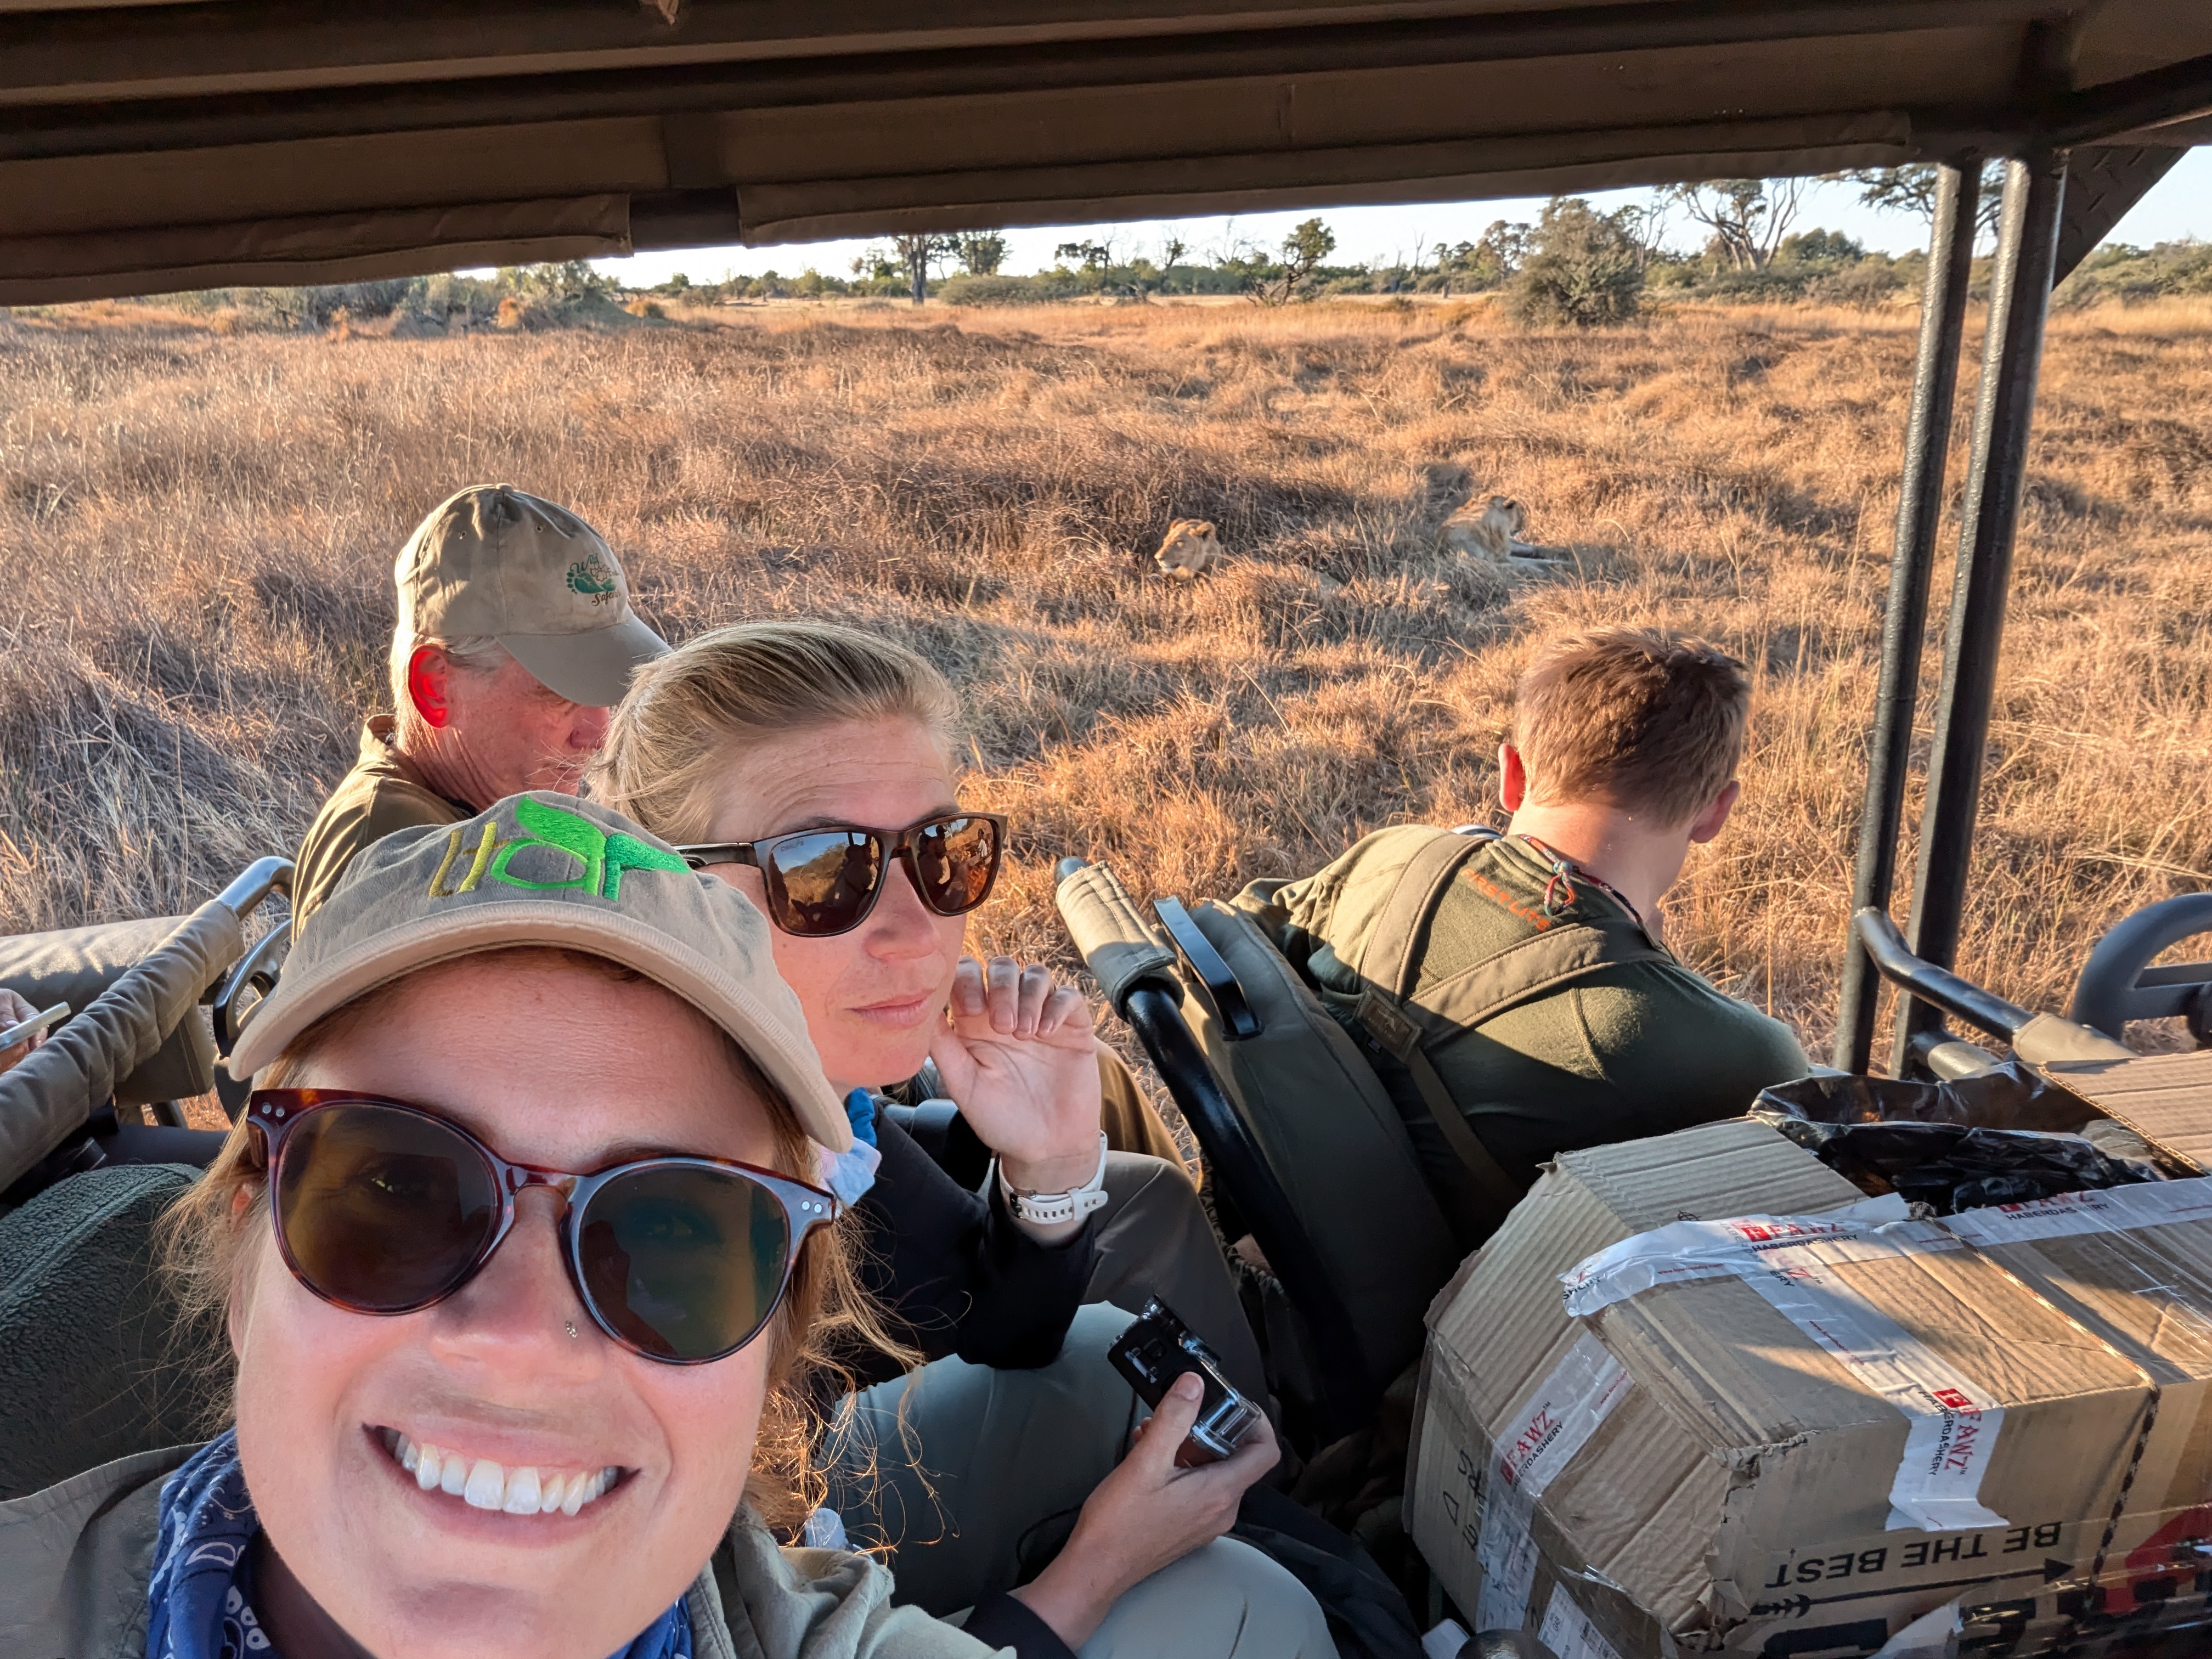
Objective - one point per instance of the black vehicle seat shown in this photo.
(75, 964)
(94, 1364)
(1303, 1144)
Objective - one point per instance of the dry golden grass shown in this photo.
(196, 531)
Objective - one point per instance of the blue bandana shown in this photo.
(199, 1596)
(852, 1173)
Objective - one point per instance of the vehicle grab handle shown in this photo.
(1961, 998)
(1120, 951)
(53, 1091)
(255, 882)
(2039, 1039)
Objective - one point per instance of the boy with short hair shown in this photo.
(1553, 1017)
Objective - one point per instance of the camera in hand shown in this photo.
(1158, 1349)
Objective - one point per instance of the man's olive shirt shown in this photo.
(1640, 1049)
(382, 793)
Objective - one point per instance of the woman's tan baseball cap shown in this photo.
(493, 559)
(548, 870)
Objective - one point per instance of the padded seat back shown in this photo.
(75, 964)
(1325, 1126)
(92, 1364)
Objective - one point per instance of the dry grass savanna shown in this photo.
(197, 529)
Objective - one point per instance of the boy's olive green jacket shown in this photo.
(1643, 1047)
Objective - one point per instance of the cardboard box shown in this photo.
(1499, 1334)
(2134, 1266)
(1792, 1438)
(2165, 1098)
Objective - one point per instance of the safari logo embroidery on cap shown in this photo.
(590, 577)
(603, 857)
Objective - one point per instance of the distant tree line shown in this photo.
(1577, 265)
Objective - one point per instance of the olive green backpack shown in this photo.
(1309, 1088)
(1410, 1022)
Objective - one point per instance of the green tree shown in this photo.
(562, 282)
(1308, 245)
(1090, 256)
(1584, 267)
(1171, 253)
(1748, 217)
(981, 252)
(1912, 190)
(917, 254)
(1490, 262)
(1303, 249)
(1820, 247)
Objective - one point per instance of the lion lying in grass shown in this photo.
(1190, 549)
(1488, 529)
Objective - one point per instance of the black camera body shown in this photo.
(1158, 1348)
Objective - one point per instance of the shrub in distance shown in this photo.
(1584, 267)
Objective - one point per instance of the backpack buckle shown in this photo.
(1387, 1023)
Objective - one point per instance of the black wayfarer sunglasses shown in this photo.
(383, 1207)
(825, 881)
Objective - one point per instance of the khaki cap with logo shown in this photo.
(495, 560)
(548, 870)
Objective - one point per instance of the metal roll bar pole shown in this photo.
(1938, 988)
(255, 882)
(1919, 511)
(2019, 300)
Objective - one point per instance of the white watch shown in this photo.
(1048, 1209)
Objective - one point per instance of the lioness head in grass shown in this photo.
(1485, 529)
(1190, 549)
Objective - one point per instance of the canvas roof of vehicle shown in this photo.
(150, 146)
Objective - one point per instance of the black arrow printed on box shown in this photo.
(1804, 1604)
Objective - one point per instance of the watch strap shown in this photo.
(1051, 1209)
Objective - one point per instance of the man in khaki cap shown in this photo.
(515, 636)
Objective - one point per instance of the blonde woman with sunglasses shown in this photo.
(811, 766)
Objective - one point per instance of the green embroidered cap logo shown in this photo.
(590, 576)
(603, 857)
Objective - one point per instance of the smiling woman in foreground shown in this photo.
(520, 1243)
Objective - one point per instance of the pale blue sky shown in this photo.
(2179, 205)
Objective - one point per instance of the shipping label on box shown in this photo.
(1485, 1536)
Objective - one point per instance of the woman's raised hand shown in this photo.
(1018, 1055)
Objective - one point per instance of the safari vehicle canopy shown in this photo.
(152, 147)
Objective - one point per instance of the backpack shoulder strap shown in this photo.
(1386, 963)
(1406, 1026)
(1387, 958)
